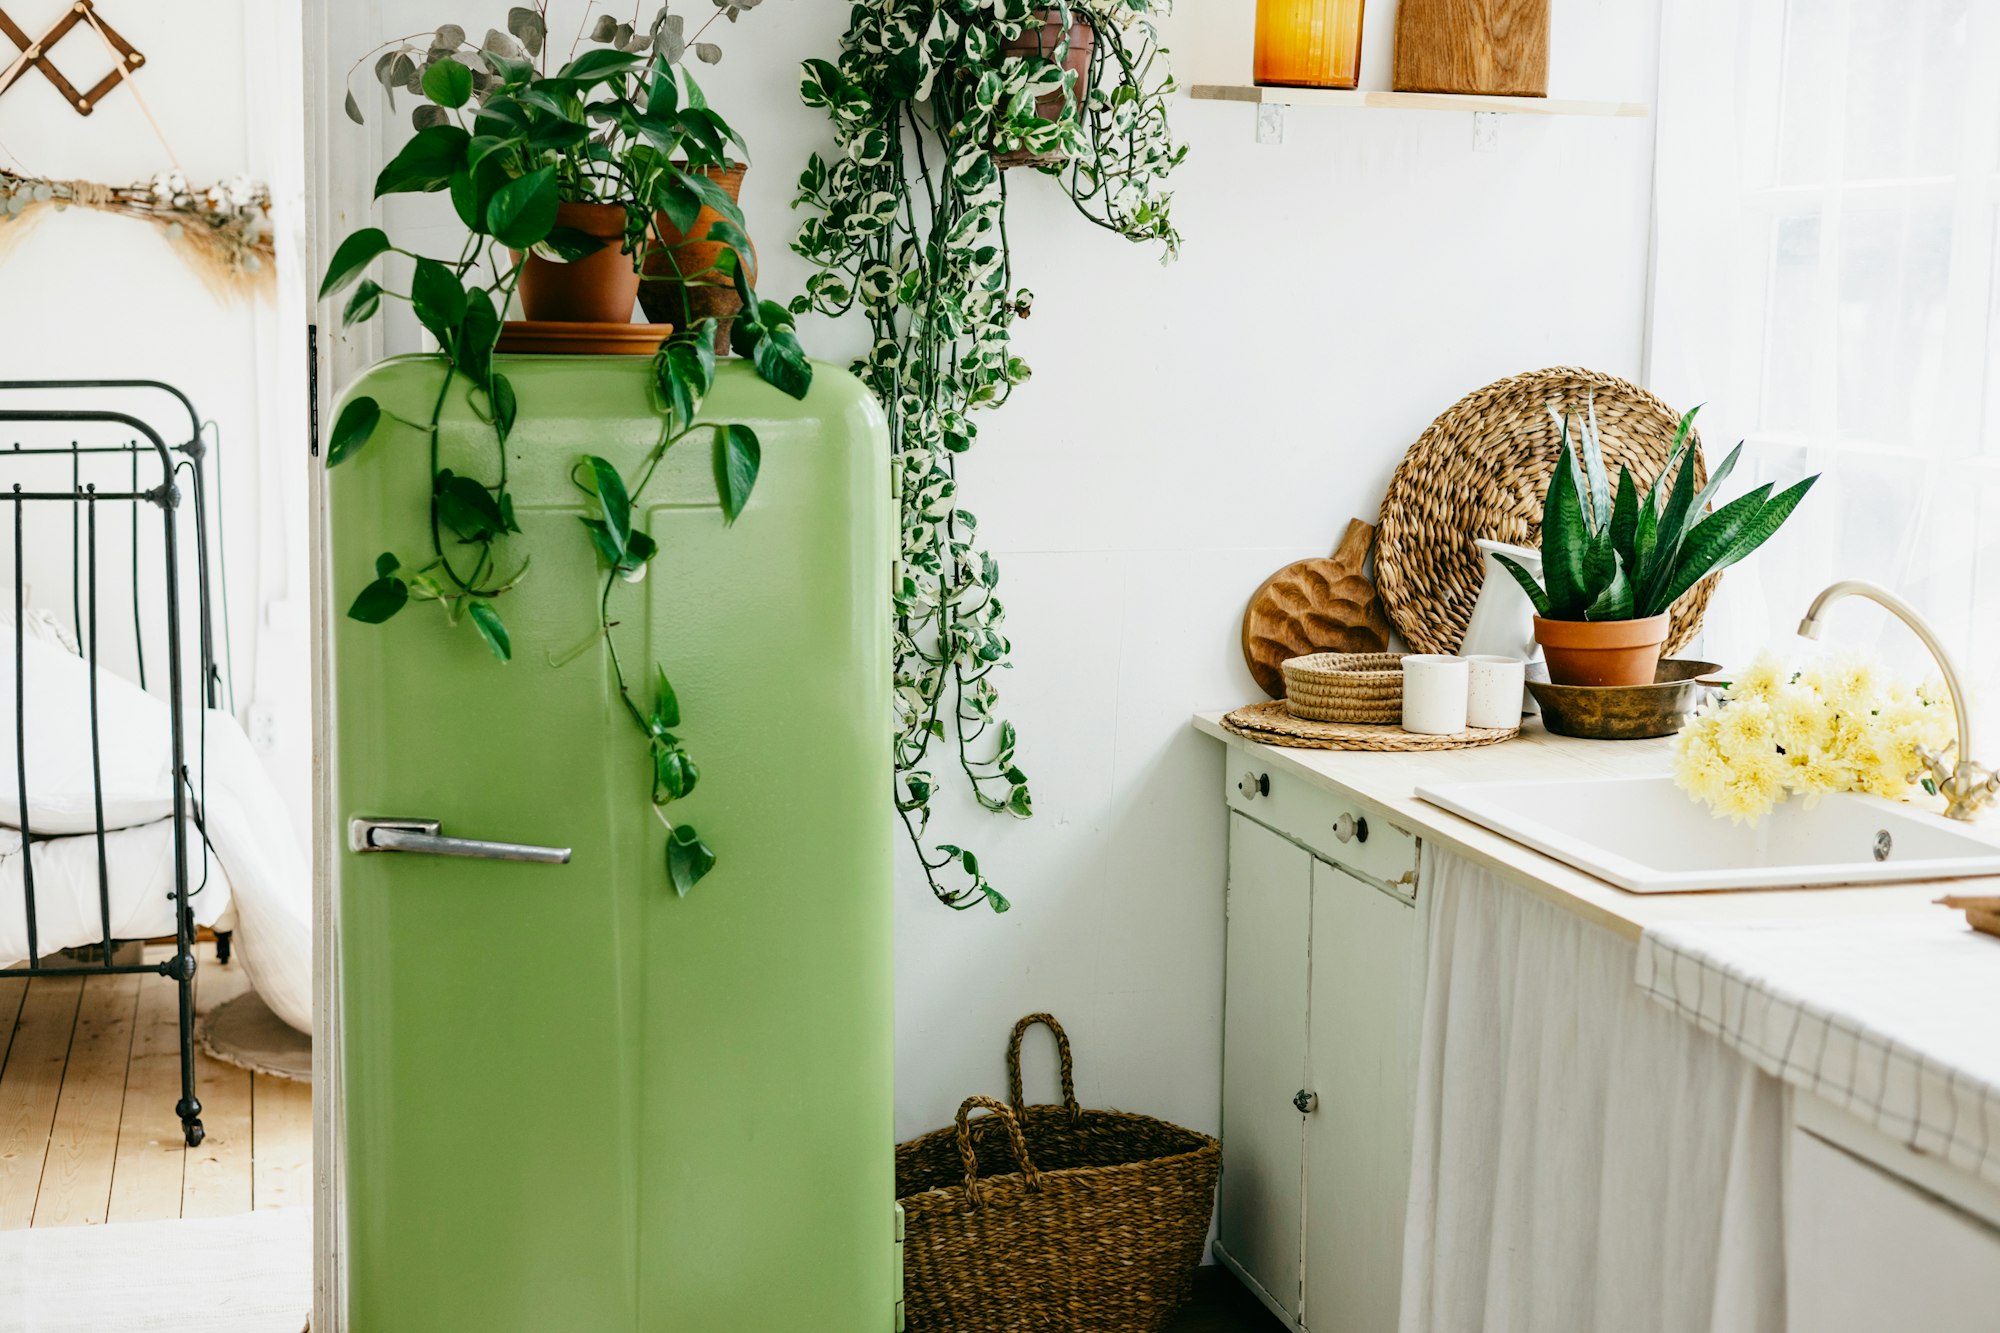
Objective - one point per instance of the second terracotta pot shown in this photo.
(668, 298)
(597, 289)
(1602, 652)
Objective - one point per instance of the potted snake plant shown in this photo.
(1615, 562)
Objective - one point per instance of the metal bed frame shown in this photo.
(100, 436)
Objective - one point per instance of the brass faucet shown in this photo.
(1965, 785)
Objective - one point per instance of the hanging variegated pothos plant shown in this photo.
(929, 100)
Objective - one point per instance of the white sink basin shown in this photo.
(1645, 835)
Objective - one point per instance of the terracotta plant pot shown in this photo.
(597, 289)
(668, 299)
(1602, 652)
(1046, 39)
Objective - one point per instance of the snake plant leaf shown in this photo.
(1672, 532)
(1615, 602)
(1706, 496)
(1708, 542)
(1776, 510)
(1527, 582)
(1563, 540)
(1600, 567)
(1593, 466)
(1625, 521)
(1645, 538)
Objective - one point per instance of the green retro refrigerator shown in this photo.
(573, 1101)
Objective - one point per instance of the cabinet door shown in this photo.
(1865, 1252)
(1264, 1058)
(1367, 971)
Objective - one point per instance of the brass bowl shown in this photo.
(1625, 712)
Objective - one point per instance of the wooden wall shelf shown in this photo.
(1391, 101)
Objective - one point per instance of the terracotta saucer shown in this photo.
(559, 338)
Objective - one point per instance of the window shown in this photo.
(1828, 174)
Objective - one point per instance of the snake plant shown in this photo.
(1624, 556)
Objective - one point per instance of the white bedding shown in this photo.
(264, 871)
(139, 865)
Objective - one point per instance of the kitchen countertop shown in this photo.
(1389, 780)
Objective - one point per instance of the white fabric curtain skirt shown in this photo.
(1584, 1159)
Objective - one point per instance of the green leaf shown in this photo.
(468, 508)
(688, 858)
(472, 191)
(782, 362)
(426, 162)
(609, 488)
(523, 211)
(353, 257)
(597, 66)
(487, 621)
(737, 458)
(570, 244)
(666, 704)
(675, 774)
(386, 564)
(1731, 533)
(448, 83)
(379, 600)
(1527, 582)
(438, 299)
(477, 333)
(611, 552)
(351, 429)
(505, 406)
(367, 299)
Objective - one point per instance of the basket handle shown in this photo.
(1014, 1139)
(1062, 1050)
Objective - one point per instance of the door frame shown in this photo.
(339, 163)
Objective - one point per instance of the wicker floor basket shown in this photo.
(1052, 1218)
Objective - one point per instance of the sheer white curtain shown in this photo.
(1824, 280)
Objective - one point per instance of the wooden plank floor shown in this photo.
(89, 1074)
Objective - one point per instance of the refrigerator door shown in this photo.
(574, 1100)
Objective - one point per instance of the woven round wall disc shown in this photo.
(1482, 469)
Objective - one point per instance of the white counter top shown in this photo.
(1390, 780)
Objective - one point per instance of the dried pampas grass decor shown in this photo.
(223, 231)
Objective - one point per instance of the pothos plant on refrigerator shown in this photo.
(623, 124)
(931, 100)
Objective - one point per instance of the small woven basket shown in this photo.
(1345, 687)
(1052, 1217)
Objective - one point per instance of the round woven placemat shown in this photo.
(1270, 723)
(1482, 470)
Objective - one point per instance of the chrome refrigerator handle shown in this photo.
(421, 835)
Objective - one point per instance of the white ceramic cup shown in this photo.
(1434, 693)
(1493, 698)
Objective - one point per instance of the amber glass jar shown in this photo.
(1309, 43)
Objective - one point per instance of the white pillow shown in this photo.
(135, 751)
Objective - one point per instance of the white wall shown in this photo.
(86, 294)
(1189, 429)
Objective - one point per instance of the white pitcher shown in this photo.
(1503, 619)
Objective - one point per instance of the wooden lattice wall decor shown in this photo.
(35, 54)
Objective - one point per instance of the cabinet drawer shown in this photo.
(1318, 819)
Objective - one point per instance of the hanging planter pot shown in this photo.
(1070, 43)
(670, 298)
(596, 289)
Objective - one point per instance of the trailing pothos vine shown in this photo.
(928, 102)
(623, 123)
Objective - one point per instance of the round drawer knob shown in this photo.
(1253, 785)
(1350, 829)
(1307, 1102)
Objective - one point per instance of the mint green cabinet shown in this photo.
(573, 1100)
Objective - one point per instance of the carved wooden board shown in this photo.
(1496, 47)
(1315, 606)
